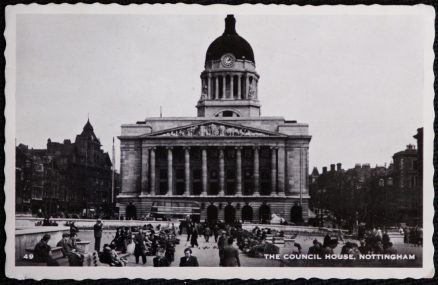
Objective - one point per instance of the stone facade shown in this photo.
(65, 177)
(229, 162)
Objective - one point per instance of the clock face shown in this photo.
(228, 60)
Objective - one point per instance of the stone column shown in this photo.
(239, 87)
(246, 86)
(232, 87)
(216, 92)
(144, 170)
(293, 170)
(281, 170)
(256, 172)
(256, 88)
(204, 171)
(273, 171)
(224, 87)
(209, 86)
(169, 171)
(238, 171)
(221, 172)
(153, 189)
(187, 171)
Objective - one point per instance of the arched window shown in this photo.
(227, 113)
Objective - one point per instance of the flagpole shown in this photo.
(112, 175)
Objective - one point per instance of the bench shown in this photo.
(276, 240)
(289, 242)
(55, 251)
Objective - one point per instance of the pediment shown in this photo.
(214, 129)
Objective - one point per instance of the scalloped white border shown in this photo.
(426, 12)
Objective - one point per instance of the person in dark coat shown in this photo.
(73, 228)
(216, 232)
(140, 247)
(160, 260)
(189, 230)
(327, 240)
(98, 227)
(230, 255)
(316, 248)
(385, 239)
(42, 252)
(65, 244)
(207, 233)
(188, 259)
(194, 238)
(221, 245)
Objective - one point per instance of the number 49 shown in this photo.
(28, 256)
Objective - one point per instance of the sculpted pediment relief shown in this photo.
(213, 130)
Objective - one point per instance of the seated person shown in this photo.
(188, 259)
(109, 256)
(160, 260)
(65, 244)
(42, 252)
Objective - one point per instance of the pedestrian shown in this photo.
(73, 228)
(42, 252)
(140, 247)
(98, 227)
(216, 232)
(189, 230)
(385, 239)
(160, 260)
(230, 255)
(316, 248)
(188, 259)
(221, 245)
(194, 238)
(207, 233)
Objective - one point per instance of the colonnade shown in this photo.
(223, 86)
(149, 177)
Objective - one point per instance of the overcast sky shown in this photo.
(356, 80)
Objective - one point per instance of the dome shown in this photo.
(229, 42)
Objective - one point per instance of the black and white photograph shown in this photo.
(286, 141)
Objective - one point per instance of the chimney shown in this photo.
(338, 166)
(357, 165)
(332, 167)
(324, 170)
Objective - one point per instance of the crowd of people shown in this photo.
(68, 244)
(374, 242)
(159, 242)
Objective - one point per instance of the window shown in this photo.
(180, 173)
(196, 174)
(213, 174)
(230, 154)
(247, 153)
(163, 173)
(247, 173)
(231, 174)
(227, 114)
(265, 153)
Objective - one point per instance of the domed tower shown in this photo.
(229, 80)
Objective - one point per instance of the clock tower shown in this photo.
(229, 80)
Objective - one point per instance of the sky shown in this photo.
(357, 80)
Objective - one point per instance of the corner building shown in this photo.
(228, 163)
